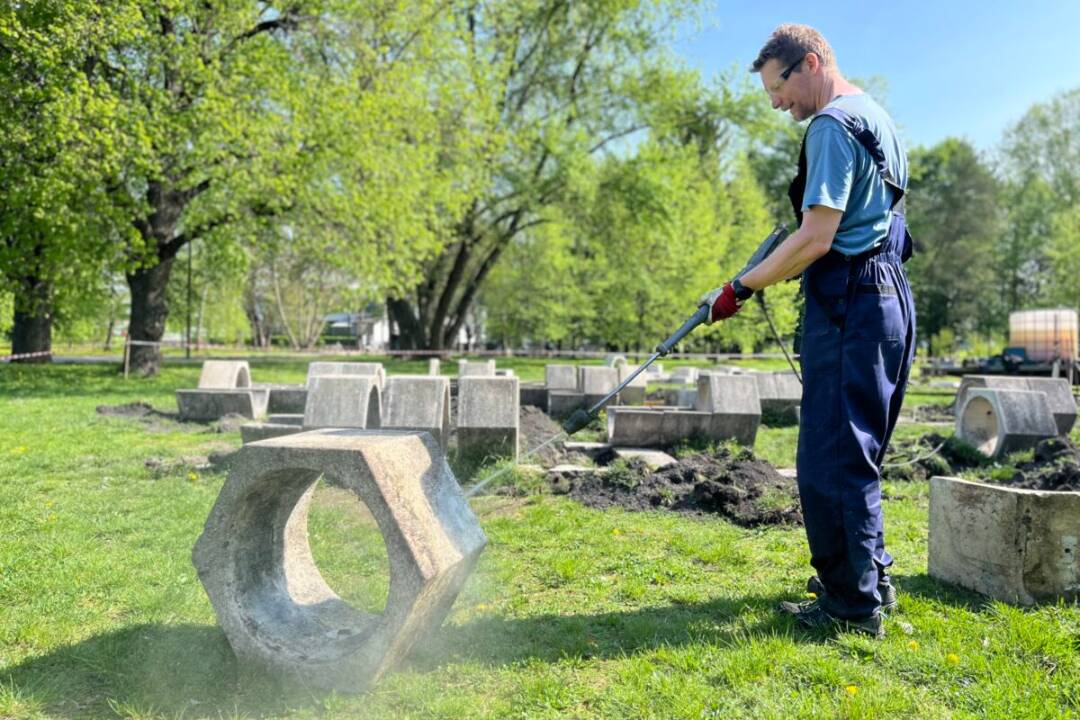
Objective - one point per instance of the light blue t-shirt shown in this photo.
(842, 175)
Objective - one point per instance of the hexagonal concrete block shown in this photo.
(342, 401)
(274, 606)
(287, 399)
(998, 422)
(633, 393)
(596, 381)
(476, 368)
(418, 402)
(1018, 546)
(534, 394)
(1058, 394)
(733, 402)
(224, 375)
(635, 426)
(778, 392)
(561, 403)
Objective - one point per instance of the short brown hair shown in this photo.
(790, 43)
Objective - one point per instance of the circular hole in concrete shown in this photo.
(979, 425)
(348, 548)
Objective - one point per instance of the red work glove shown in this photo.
(725, 301)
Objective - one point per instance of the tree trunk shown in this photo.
(149, 310)
(32, 329)
(412, 334)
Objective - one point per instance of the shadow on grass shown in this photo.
(927, 588)
(190, 669)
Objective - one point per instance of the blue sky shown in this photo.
(964, 68)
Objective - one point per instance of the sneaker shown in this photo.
(889, 602)
(810, 614)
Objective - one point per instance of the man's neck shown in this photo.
(833, 85)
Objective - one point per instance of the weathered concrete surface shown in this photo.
(343, 401)
(685, 375)
(296, 419)
(561, 403)
(287, 399)
(507, 372)
(1058, 394)
(320, 369)
(487, 423)
(224, 375)
(664, 426)
(208, 405)
(653, 459)
(597, 381)
(255, 561)
(476, 368)
(615, 361)
(535, 394)
(998, 422)
(561, 377)
(1018, 546)
(778, 392)
(254, 432)
(418, 402)
(433, 366)
(634, 393)
(591, 449)
(681, 397)
(733, 402)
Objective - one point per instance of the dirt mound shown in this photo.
(536, 428)
(1056, 466)
(932, 454)
(135, 410)
(737, 486)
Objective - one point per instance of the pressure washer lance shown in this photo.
(581, 418)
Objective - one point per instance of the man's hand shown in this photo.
(724, 301)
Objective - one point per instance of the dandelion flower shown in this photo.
(193, 476)
(913, 645)
(952, 659)
(851, 690)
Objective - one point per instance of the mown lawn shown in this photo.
(572, 612)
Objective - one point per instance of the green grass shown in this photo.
(572, 612)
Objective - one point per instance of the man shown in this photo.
(859, 325)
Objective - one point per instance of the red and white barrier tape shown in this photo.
(25, 356)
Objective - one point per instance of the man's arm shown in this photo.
(812, 240)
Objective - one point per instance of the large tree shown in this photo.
(572, 79)
(954, 215)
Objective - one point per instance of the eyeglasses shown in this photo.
(791, 68)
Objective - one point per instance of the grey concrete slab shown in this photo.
(296, 419)
(597, 381)
(1018, 546)
(685, 375)
(778, 392)
(213, 404)
(681, 397)
(320, 369)
(433, 366)
(634, 393)
(224, 375)
(998, 422)
(561, 403)
(1060, 399)
(615, 360)
(635, 426)
(255, 561)
(487, 423)
(653, 459)
(254, 432)
(343, 401)
(733, 401)
(561, 377)
(476, 368)
(535, 394)
(418, 402)
(287, 399)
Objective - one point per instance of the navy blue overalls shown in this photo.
(857, 348)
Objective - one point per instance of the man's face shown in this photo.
(789, 87)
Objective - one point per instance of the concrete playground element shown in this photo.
(254, 432)
(615, 361)
(487, 423)
(596, 381)
(343, 401)
(433, 366)
(1018, 546)
(998, 422)
(779, 392)
(734, 404)
(561, 403)
(296, 419)
(653, 459)
(685, 375)
(287, 399)
(320, 369)
(681, 397)
(210, 404)
(476, 368)
(535, 394)
(665, 426)
(224, 375)
(561, 377)
(634, 393)
(418, 402)
(1058, 394)
(255, 561)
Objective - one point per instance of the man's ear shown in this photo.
(812, 61)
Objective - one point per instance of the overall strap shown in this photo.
(866, 137)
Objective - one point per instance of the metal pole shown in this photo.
(187, 349)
